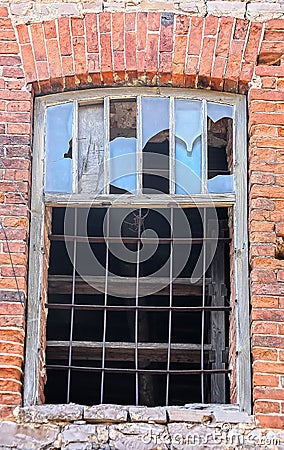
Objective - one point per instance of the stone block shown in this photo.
(28, 436)
(105, 413)
(144, 414)
(79, 434)
(47, 413)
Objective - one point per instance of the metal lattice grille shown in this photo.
(140, 327)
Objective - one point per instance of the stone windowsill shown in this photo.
(70, 413)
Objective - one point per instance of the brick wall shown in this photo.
(116, 49)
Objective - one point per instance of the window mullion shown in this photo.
(172, 161)
(75, 147)
(139, 150)
(204, 156)
(106, 146)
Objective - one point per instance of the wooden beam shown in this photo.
(124, 351)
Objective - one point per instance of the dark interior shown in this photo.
(83, 325)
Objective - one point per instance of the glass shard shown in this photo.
(188, 129)
(155, 117)
(58, 171)
(91, 148)
(217, 111)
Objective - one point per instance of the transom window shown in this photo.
(143, 195)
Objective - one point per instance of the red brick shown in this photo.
(3, 11)
(179, 58)
(50, 29)
(118, 31)
(54, 60)
(105, 22)
(224, 36)
(274, 35)
(265, 380)
(9, 48)
(67, 65)
(274, 24)
(206, 62)
(106, 55)
(264, 354)
(166, 62)
(77, 26)
(241, 28)
(195, 36)
(65, 36)
(271, 342)
(154, 19)
(270, 421)
(38, 42)
(28, 62)
(12, 72)
(255, 31)
(152, 53)
(217, 75)
(261, 393)
(118, 61)
(42, 70)
(23, 33)
(234, 66)
(211, 26)
(7, 60)
(130, 51)
(130, 21)
(92, 33)
(79, 50)
(266, 407)
(182, 24)
(141, 30)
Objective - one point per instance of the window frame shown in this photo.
(238, 201)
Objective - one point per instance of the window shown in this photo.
(142, 196)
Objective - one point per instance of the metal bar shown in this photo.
(149, 371)
(72, 309)
(204, 156)
(105, 312)
(170, 310)
(139, 150)
(172, 156)
(75, 151)
(106, 146)
(140, 308)
(133, 240)
(203, 304)
(136, 312)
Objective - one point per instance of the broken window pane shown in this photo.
(155, 117)
(123, 144)
(58, 173)
(188, 129)
(219, 141)
(91, 148)
(217, 111)
(155, 144)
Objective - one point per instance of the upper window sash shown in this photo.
(85, 154)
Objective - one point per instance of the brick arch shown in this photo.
(106, 49)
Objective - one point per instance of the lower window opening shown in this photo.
(138, 306)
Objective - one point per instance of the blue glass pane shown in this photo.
(188, 129)
(221, 184)
(155, 117)
(58, 174)
(188, 168)
(217, 111)
(123, 163)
